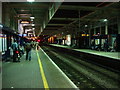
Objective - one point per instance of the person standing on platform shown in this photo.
(114, 45)
(28, 48)
(37, 46)
(106, 46)
(14, 47)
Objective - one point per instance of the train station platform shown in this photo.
(40, 72)
(114, 55)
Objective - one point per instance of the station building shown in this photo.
(64, 31)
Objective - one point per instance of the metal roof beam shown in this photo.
(85, 19)
(28, 6)
(56, 24)
(51, 28)
(65, 19)
(85, 8)
(71, 7)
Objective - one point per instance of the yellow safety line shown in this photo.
(42, 73)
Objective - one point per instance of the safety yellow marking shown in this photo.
(42, 73)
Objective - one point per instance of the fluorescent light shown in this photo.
(30, 0)
(24, 22)
(1, 26)
(86, 25)
(32, 17)
(105, 20)
(33, 24)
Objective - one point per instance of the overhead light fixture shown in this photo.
(22, 10)
(32, 17)
(105, 20)
(33, 24)
(1, 26)
(24, 22)
(30, 0)
(86, 25)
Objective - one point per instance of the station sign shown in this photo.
(85, 35)
(25, 22)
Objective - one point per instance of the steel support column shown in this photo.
(90, 35)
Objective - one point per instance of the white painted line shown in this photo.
(61, 71)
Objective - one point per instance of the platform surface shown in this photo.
(114, 55)
(27, 74)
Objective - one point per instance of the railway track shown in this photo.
(83, 74)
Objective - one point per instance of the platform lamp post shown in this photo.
(106, 26)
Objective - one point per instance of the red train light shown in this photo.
(38, 40)
(17, 52)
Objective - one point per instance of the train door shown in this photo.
(3, 43)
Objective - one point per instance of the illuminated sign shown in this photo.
(85, 35)
(24, 35)
(38, 40)
(32, 17)
(24, 22)
(1, 26)
(20, 34)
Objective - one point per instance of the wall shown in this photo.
(0, 12)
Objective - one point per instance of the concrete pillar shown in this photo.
(106, 28)
(0, 12)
